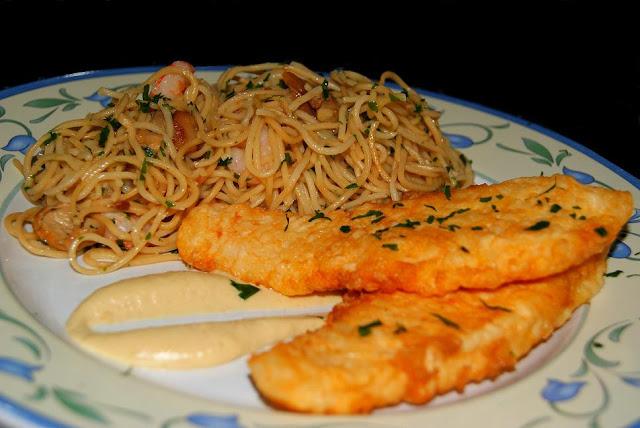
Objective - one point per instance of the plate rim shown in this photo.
(114, 72)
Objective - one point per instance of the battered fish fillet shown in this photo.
(380, 349)
(478, 237)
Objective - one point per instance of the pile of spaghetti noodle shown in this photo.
(113, 187)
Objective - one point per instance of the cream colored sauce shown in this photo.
(193, 345)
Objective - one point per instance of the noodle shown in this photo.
(111, 189)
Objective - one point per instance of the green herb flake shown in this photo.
(495, 307)
(464, 249)
(287, 158)
(476, 228)
(542, 224)
(499, 196)
(365, 330)
(555, 208)
(352, 186)
(319, 215)
(613, 274)
(576, 207)
(148, 236)
(224, 161)
(52, 137)
(418, 108)
(378, 233)
(370, 213)
(373, 106)
(486, 199)
(231, 95)
(345, 229)
(325, 89)
(250, 85)
(409, 224)
(446, 321)
(245, 290)
(394, 98)
(377, 219)
(391, 246)
(143, 169)
(148, 152)
(400, 329)
(453, 227)
(432, 207)
(282, 84)
(495, 208)
(397, 204)
(601, 231)
(114, 123)
(447, 191)
(145, 92)
(573, 215)
(430, 219)
(582, 217)
(169, 203)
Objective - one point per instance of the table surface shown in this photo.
(558, 64)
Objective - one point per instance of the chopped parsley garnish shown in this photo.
(246, 290)
(104, 135)
(148, 236)
(573, 215)
(499, 196)
(409, 224)
(282, 84)
(377, 219)
(495, 307)
(405, 92)
(207, 154)
(397, 204)
(287, 158)
(52, 137)
(286, 227)
(224, 161)
(120, 243)
(446, 321)
(114, 123)
(325, 89)
(365, 330)
(613, 274)
(486, 199)
(143, 169)
(250, 85)
(440, 220)
(582, 217)
(447, 191)
(394, 97)
(418, 108)
(373, 106)
(148, 152)
(542, 224)
(494, 208)
(476, 228)
(576, 207)
(391, 246)
(370, 213)
(352, 186)
(601, 231)
(400, 329)
(319, 215)
(169, 203)
(231, 94)
(430, 219)
(145, 92)
(378, 233)
(431, 206)
(464, 249)
(555, 208)
(345, 229)
(453, 227)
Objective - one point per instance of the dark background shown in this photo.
(565, 65)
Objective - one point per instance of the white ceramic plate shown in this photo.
(587, 373)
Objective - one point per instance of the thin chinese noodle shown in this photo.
(111, 188)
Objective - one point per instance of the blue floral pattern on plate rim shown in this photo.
(558, 390)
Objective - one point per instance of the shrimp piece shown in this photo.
(173, 85)
(185, 128)
(56, 226)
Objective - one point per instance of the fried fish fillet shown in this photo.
(380, 349)
(479, 237)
